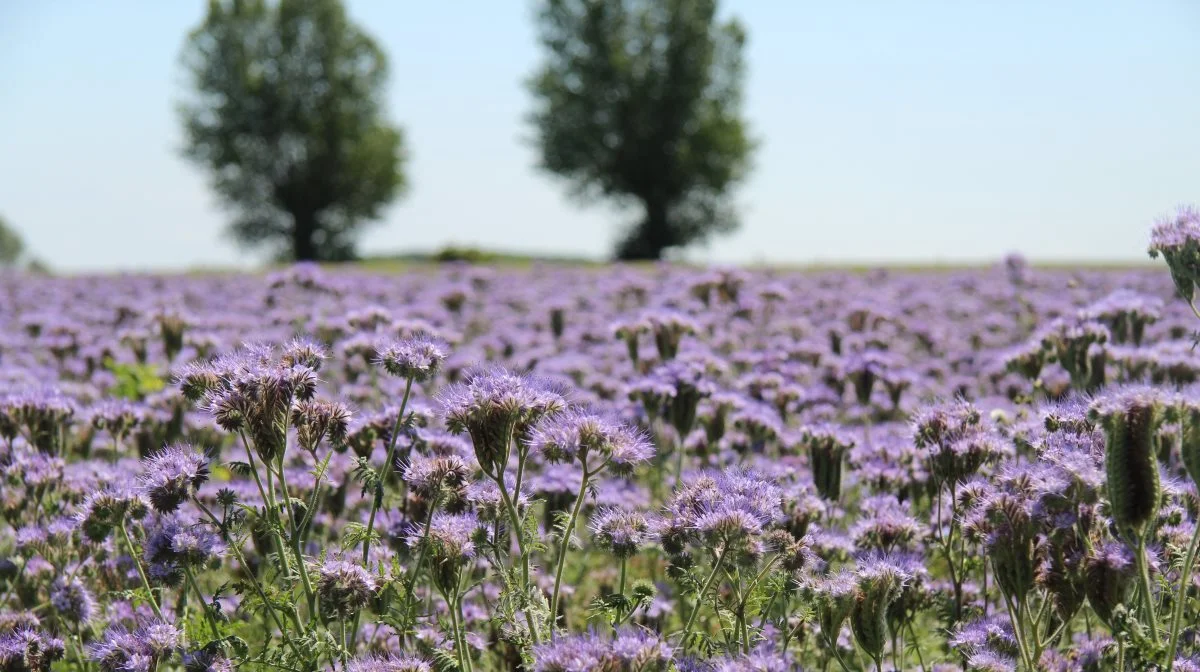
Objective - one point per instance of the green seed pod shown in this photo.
(879, 585)
(558, 321)
(1185, 284)
(1108, 577)
(1134, 490)
(1189, 444)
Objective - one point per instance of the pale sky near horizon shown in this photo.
(924, 130)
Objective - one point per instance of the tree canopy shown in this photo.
(287, 115)
(12, 246)
(640, 101)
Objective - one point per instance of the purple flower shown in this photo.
(417, 358)
(72, 600)
(389, 663)
(621, 532)
(629, 649)
(29, 650)
(439, 477)
(172, 475)
(577, 435)
(121, 650)
(494, 406)
(344, 587)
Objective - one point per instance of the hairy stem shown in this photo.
(385, 471)
(712, 576)
(565, 546)
(137, 562)
(1185, 578)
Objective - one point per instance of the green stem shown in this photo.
(916, 646)
(565, 546)
(385, 471)
(1147, 587)
(269, 501)
(410, 584)
(295, 539)
(712, 576)
(1014, 613)
(212, 621)
(137, 562)
(1185, 578)
(345, 647)
(515, 520)
(237, 554)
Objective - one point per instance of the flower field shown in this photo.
(642, 468)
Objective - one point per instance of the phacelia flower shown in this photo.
(417, 358)
(621, 532)
(72, 600)
(172, 475)
(344, 587)
(579, 435)
(29, 650)
(389, 663)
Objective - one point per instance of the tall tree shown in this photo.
(287, 115)
(640, 101)
(12, 247)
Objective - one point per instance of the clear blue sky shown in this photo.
(891, 130)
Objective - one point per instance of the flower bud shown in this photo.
(1108, 577)
(1131, 419)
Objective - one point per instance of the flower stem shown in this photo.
(1185, 578)
(268, 500)
(237, 553)
(566, 546)
(712, 576)
(1147, 587)
(295, 539)
(137, 562)
(385, 471)
(515, 519)
(212, 621)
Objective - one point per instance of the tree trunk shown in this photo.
(304, 227)
(648, 240)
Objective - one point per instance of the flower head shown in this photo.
(389, 663)
(344, 587)
(72, 600)
(621, 532)
(26, 649)
(172, 475)
(577, 434)
(494, 406)
(418, 357)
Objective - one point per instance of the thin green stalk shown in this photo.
(916, 646)
(712, 576)
(294, 537)
(385, 471)
(1014, 614)
(621, 582)
(837, 655)
(208, 616)
(1147, 587)
(237, 554)
(1185, 578)
(565, 546)
(268, 498)
(137, 562)
(345, 647)
(515, 520)
(415, 570)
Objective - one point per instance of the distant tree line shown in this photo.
(636, 101)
